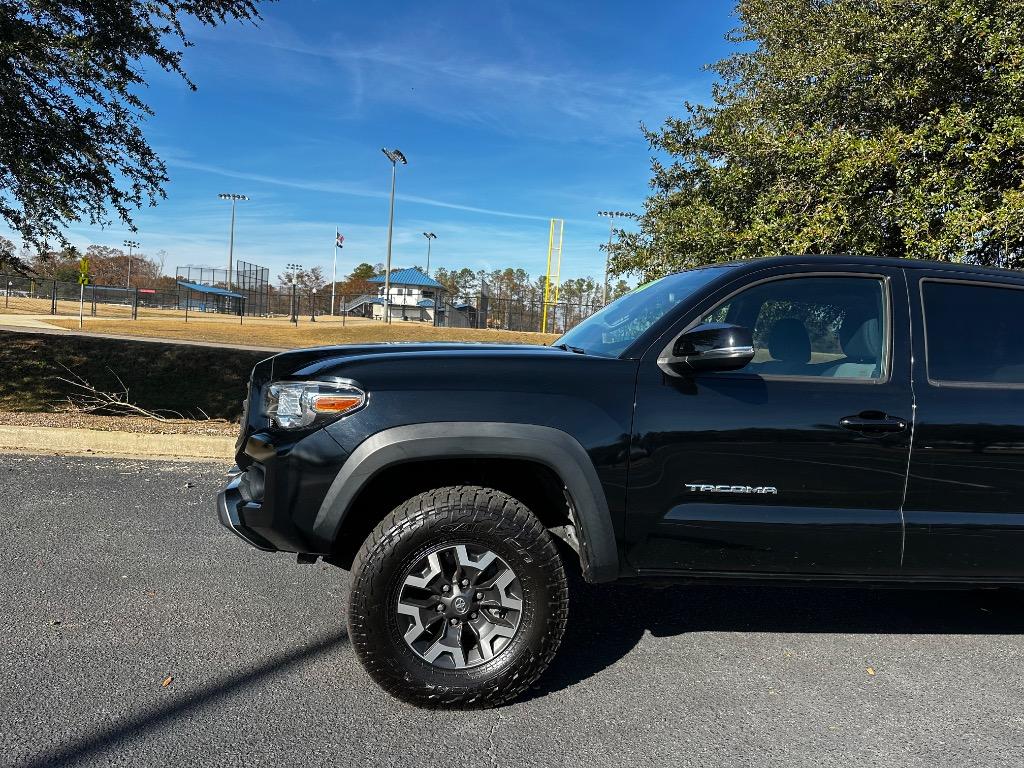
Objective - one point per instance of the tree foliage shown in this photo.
(306, 280)
(71, 142)
(10, 262)
(357, 282)
(107, 266)
(886, 127)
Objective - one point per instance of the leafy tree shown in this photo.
(71, 143)
(363, 272)
(312, 279)
(57, 265)
(447, 279)
(580, 291)
(887, 127)
(107, 266)
(357, 282)
(307, 280)
(617, 289)
(466, 282)
(10, 262)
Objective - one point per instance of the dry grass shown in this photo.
(263, 332)
(188, 379)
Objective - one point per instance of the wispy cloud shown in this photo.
(508, 98)
(527, 94)
(341, 188)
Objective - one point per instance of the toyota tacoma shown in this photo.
(828, 419)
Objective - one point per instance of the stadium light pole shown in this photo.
(293, 278)
(234, 198)
(396, 157)
(611, 216)
(129, 244)
(430, 236)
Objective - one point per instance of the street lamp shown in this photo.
(129, 244)
(231, 241)
(396, 157)
(293, 276)
(312, 309)
(430, 236)
(611, 216)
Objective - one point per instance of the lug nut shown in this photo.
(440, 608)
(465, 582)
(479, 595)
(446, 588)
(472, 615)
(454, 622)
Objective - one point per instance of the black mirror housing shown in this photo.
(709, 347)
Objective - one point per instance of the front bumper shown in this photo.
(273, 502)
(230, 509)
(253, 522)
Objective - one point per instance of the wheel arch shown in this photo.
(550, 454)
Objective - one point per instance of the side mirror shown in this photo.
(708, 347)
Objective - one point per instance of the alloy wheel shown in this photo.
(459, 606)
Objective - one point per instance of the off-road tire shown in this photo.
(447, 516)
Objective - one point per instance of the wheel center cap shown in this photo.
(459, 604)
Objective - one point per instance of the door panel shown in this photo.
(964, 510)
(742, 472)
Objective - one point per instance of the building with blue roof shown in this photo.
(412, 296)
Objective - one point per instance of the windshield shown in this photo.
(607, 333)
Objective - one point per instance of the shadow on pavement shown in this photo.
(607, 621)
(134, 726)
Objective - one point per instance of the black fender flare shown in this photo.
(551, 447)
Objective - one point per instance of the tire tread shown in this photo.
(469, 507)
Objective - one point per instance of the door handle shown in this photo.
(873, 422)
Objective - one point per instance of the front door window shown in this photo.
(827, 327)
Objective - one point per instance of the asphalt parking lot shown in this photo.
(116, 576)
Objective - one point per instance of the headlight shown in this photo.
(297, 404)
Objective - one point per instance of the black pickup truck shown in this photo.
(831, 419)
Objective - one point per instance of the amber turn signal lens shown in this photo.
(335, 403)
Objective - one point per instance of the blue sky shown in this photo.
(509, 113)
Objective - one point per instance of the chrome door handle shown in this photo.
(874, 423)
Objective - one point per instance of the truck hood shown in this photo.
(326, 361)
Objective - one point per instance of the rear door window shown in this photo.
(973, 333)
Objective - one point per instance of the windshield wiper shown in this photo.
(569, 348)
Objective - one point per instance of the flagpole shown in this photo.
(334, 270)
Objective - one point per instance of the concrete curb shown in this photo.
(96, 442)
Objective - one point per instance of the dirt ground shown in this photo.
(138, 424)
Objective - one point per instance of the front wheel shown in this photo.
(459, 598)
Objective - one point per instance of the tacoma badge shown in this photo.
(700, 488)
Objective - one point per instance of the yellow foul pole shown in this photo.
(552, 280)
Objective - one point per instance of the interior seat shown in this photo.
(861, 340)
(789, 344)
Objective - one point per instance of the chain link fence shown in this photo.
(477, 311)
(30, 295)
(497, 313)
(27, 295)
(40, 296)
